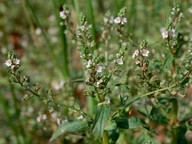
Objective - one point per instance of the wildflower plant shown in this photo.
(152, 98)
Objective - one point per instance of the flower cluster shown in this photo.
(12, 63)
(120, 20)
(170, 33)
(141, 52)
(65, 13)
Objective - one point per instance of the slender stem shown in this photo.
(92, 20)
(76, 5)
(105, 137)
(62, 35)
(150, 93)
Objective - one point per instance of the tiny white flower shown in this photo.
(44, 117)
(16, 61)
(82, 27)
(145, 52)
(80, 117)
(120, 61)
(99, 68)
(173, 32)
(111, 19)
(37, 31)
(117, 20)
(190, 10)
(107, 100)
(89, 63)
(164, 33)
(137, 62)
(105, 19)
(124, 20)
(99, 82)
(136, 53)
(63, 15)
(8, 62)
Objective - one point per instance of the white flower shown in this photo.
(173, 32)
(136, 53)
(16, 61)
(124, 20)
(99, 82)
(137, 62)
(120, 61)
(37, 31)
(57, 85)
(99, 68)
(63, 15)
(8, 62)
(190, 10)
(117, 20)
(145, 52)
(107, 100)
(80, 117)
(89, 63)
(164, 33)
(12, 62)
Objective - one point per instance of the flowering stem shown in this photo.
(91, 19)
(63, 41)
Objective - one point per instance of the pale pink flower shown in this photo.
(164, 33)
(135, 54)
(117, 20)
(120, 61)
(89, 63)
(99, 68)
(145, 52)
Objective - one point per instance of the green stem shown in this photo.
(105, 137)
(76, 5)
(150, 93)
(92, 20)
(62, 36)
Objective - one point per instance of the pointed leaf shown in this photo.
(101, 117)
(131, 123)
(70, 127)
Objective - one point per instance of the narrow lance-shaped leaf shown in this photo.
(70, 127)
(101, 117)
(131, 123)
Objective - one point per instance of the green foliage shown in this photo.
(70, 127)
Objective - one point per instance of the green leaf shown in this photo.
(70, 127)
(131, 123)
(168, 61)
(101, 117)
(111, 126)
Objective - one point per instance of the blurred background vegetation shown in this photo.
(32, 29)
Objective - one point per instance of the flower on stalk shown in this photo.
(119, 20)
(99, 82)
(107, 100)
(164, 33)
(145, 52)
(135, 54)
(89, 63)
(99, 68)
(12, 62)
(120, 61)
(64, 14)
